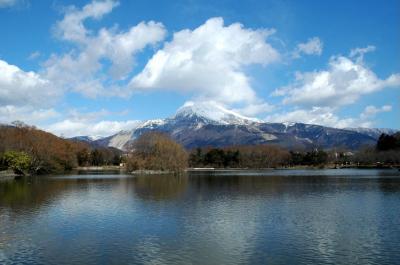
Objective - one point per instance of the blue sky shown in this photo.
(94, 67)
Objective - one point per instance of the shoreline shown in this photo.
(99, 168)
(8, 175)
(296, 168)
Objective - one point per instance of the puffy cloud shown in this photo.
(255, 109)
(26, 96)
(371, 111)
(18, 87)
(316, 115)
(342, 83)
(209, 62)
(84, 69)
(77, 122)
(27, 114)
(313, 46)
(70, 127)
(358, 53)
(326, 116)
(18, 4)
(80, 115)
(317, 97)
(7, 3)
(71, 28)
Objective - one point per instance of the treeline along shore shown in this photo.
(25, 150)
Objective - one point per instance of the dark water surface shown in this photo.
(229, 217)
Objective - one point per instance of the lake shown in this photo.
(221, 217)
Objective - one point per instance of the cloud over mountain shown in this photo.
(342, 83)
(87, 60)
(19, 87)
(209, 62)
(100, 59)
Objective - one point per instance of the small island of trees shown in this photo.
(156, 151)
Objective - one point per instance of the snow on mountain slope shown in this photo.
(150, 124)
(209, 124)
(86, 138)
(120, 139)
(197, 114)
(213, 113)
(373, 132)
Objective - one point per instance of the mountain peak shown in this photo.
(86, 138)
(212, 112)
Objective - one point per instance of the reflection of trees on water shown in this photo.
(389, 185)
(294, 185)
(160, 187)
(249, 217)
(250, 185)
(33, 192)
(29, 192)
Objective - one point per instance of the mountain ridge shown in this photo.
(208, 124)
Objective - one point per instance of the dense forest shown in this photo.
(261, 156)
(27, 150)
(385, 153)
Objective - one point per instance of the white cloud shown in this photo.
(316, 115)
(371, 111)
(76, 122)
(34, 55)
(313, 46)
(27, 114)
(18, 87)
(342, 83)
(71, 28)
(255, 109)
(326, 116)
(70, 128)
(7, 3)
(88, 117)
(14, 3)
(25, 96)
(209, 62)
(84, 69)
(318, 96)
(358, 53)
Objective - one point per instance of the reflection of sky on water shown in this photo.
(201, 219)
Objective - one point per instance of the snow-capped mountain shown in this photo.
(209, 124)
(85, 138)
(212, 113)
(373, 132)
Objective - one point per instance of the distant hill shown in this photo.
(200, 125)
(373, 132)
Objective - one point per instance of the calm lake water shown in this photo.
(227, 217)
